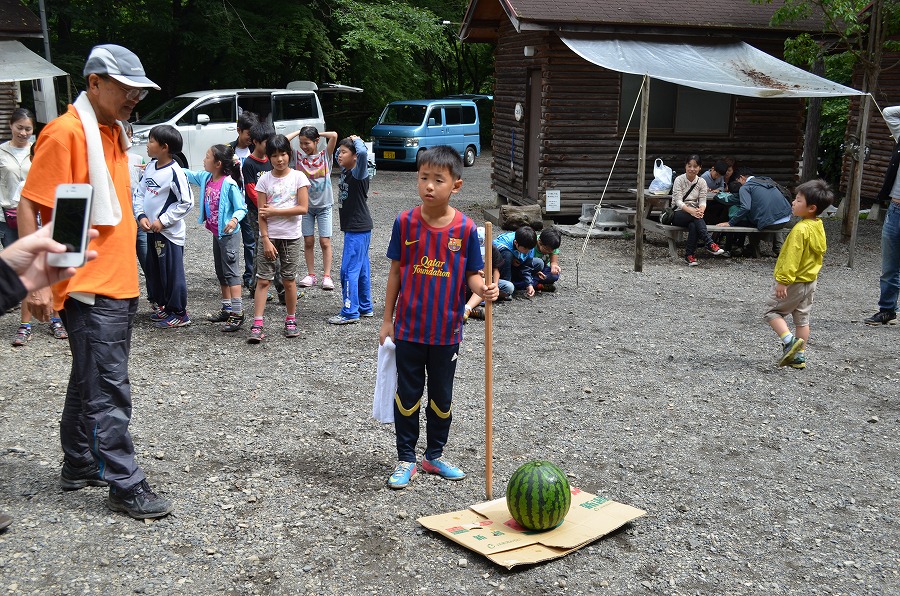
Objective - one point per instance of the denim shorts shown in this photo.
(323, 216)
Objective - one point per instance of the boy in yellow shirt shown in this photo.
(796, 271)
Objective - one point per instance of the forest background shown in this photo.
(393, 50)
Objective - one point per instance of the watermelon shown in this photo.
(538, 495)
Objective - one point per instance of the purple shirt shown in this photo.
(213, 190)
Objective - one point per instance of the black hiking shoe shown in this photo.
(72, 478)
(882, 317)
(234, 322)
(140, 502)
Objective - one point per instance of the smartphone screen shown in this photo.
(68, 222)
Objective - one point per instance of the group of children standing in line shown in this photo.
(253, 180)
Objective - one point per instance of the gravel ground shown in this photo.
(755, 479)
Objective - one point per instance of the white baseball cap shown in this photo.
(119, 63)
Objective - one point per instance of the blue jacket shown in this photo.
(231, 200)
(762, 204)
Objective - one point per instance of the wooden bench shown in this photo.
(656, 203)
(673, 233)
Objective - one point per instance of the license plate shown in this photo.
(390, 155)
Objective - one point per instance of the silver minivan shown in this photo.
(206, 118)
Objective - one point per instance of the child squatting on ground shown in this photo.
(161, 201)
(435, 253)
(283, 199)
(222, 207)
(519, 264)
(796, 271)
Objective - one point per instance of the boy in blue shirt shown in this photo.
(435, 254)
(519, 263)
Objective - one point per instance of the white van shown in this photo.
(206, 118)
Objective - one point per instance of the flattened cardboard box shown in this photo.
(489, 529)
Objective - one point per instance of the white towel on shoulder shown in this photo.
(385, 383)
(106, 210)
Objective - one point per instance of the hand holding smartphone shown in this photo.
(71, 223)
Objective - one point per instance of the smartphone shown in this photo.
(71, 222)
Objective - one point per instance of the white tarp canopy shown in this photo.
(730, 67)
(18, 63)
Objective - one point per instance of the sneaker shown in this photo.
(308, 281)
(799, 361)
(403, 473)
(23, 334)
(367, 315)
(691, 261)
(790, 350)
(5, 521)
(219, 317)
(234, 322)
(174, 321)
(545, 287)
(327, 283)
(256, 334)
(290, 329)
(72, 478)
(140, 502)
(714, 249)
(442, 468)
(342, 320)
(159, 315)
(477, 313)
(882, 317)
(57, 329)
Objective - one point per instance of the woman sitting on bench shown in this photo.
(689, 199)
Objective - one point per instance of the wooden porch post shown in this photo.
(642, 160)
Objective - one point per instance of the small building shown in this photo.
(878, 138)
(559, 119)
(18, 63)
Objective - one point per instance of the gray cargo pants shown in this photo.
(97, 410)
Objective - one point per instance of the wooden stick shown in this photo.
(488, 366)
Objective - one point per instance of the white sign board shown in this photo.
(552, 202)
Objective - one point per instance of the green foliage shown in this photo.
(393, 49)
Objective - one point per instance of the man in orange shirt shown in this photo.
(98, 304)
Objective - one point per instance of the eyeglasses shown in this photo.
(131, 94)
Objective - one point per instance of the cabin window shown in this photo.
(676, 109)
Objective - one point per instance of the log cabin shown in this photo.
(559, 119)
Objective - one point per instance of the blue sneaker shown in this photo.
(403, 473)
(445, 470)
(174, 321)
(158, 315)
(790, 350)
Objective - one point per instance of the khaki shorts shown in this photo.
(797, 303)
(288, 254)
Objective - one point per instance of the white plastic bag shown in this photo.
(385, 383)
(662, 178)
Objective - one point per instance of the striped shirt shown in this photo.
(433, 266)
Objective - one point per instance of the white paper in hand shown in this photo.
(385, 383)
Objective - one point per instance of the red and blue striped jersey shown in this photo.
(433, 266)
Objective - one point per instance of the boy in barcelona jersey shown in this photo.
(435, 254)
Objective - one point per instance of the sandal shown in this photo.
(57, 329)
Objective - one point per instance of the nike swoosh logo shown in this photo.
(408, 242)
